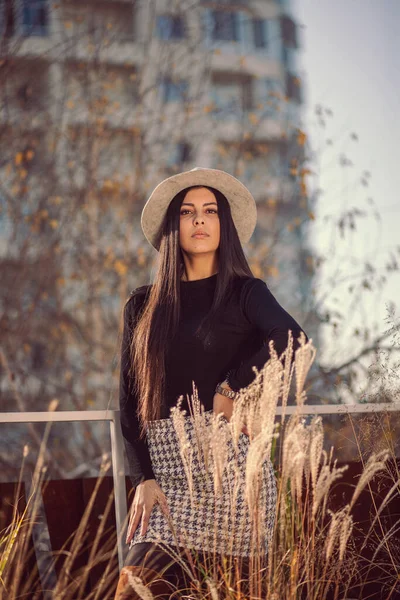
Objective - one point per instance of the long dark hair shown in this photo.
(159, 318)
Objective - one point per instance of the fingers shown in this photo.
(142, 512)
(145, 520)
(133, 522)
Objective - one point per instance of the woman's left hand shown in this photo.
(224, 404)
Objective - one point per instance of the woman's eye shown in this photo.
(208, 209)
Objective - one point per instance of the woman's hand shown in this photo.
(147, 493)
(224, 404)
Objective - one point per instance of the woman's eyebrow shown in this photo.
(205, 204)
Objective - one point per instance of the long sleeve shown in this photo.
(262, 310)
(137, 451)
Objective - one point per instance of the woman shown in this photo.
(205, 321)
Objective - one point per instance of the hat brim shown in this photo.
(242, 204)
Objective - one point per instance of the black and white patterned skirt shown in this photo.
(201, 518)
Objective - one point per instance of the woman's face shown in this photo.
(199, 212)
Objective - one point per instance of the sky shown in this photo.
(349, 62)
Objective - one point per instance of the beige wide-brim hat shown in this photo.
(242, 204)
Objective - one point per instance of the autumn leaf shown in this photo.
(253, 118)
(18, 158)
(273, 271)
(301, 138)
(256, 269)
(303, 188)
(120, 267)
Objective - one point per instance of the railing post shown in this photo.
(118, 467)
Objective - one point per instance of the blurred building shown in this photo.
(102, 99)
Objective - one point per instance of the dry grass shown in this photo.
(312, 553)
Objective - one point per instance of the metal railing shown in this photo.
(117, 445)
(117, 453)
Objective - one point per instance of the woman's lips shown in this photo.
(200, 235)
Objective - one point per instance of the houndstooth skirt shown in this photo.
(200, 518)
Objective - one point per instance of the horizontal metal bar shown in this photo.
(58, 416)
(111, 415)
(334, 409)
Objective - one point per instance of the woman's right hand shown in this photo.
(147, 493)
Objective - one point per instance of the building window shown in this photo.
(293, 90)
(35, 17)
(288, 32)
(225, 26)
(231, 93)
(184, 152)
(272, 87)
(181, 153)
(269, 92)
(7, 18)
(173, 91)
(226, 99)
(29, 17)
(260, 39)
(170, 27)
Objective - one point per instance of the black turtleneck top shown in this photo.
(252, 317)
